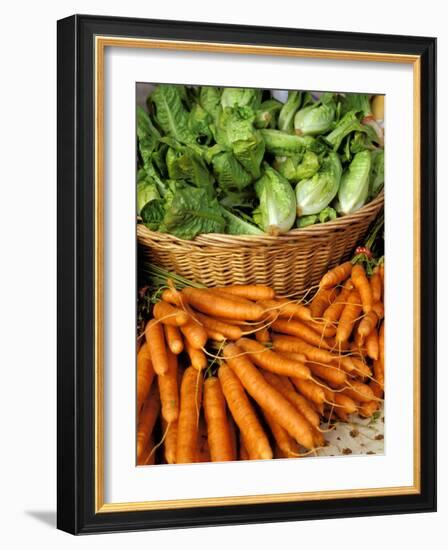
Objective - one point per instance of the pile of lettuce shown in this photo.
(239, 161)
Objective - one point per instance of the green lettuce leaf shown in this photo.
(241, 97)
(236, 225)
(146, 190)
(190, 212)
(170, 112)
(289, 109)
(153, 213)
(210, 100)
(229, 172)
(148, 136)
(183, 163)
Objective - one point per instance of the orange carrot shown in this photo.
(377, 389)
(269, 360)
(359, 392)
(336, 376)
(334, 310)
(296, 345)
(336, 275)
(195, 334)
(362, 285)
(362, 369)
(169, 315)
(378, 308)
(146, 420)
(323, 328)
(203, 446)
(187, 425)
(284, 386)
(226, 307)
(170, 441)
(219, 437)
(157, 348)
(174, 297)
(349, 315)
(348, 405)
(300, 357)
(378, 373)
(243, 454)
(212, 335)
(322, 299)
(233, 434)
(310, 390)
(367, 324)
(174, 339)
(296, 328)
(148, 455)
(367, 409)
(145, 375)
(269, 399)
(282, 438)
(286, 309)
(381, 345)
(169, 392)
(372, 345)
(232, 332)
(198, 358)
(255, 440)
(250, 292)
(376, 285)
(263, 336)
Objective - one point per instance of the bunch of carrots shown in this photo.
(238, 373)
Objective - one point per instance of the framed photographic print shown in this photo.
(246, 274)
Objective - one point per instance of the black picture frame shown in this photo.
(76, 253)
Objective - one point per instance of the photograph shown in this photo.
(260, 274)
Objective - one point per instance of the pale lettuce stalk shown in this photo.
(315, 193)
(355, 181)
(277, 210)
(289, 109)
(315, 119)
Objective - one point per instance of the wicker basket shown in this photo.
(289, 263)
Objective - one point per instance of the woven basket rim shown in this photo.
(310, 231)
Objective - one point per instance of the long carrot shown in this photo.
(170, 441)
(148, 456)
(147, 419)
(381, 345)
(156, 342)
(322, 299)
(187, 427)
(336, 275)
(362, 285)
(296, 328)
(378, 373)
(255, 441)
(376, 286)
(286, 309)
(334, 310)
(169, 315)
(336, 376)
(250, 292)
(348, 317)
(216, 305)
(269, 399)
(284, 386)
(269, 360)
(232, 332)
(195, 334)
(284, 441)
(359, 392)
(367, 409)
(263, 335)
(169, 392)
(145, 375)
(377, 389)
(372, 345)
(378, 308)
(348, 405)
(198, 359)
(217, 336)
(219, 436)
(203, 446)
(310, 390)
(292, 344)
(174, 339)
(243, 452)
(367, 324)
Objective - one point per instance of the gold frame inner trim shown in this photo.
(101, 42)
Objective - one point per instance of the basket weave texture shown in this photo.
(289, 263)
